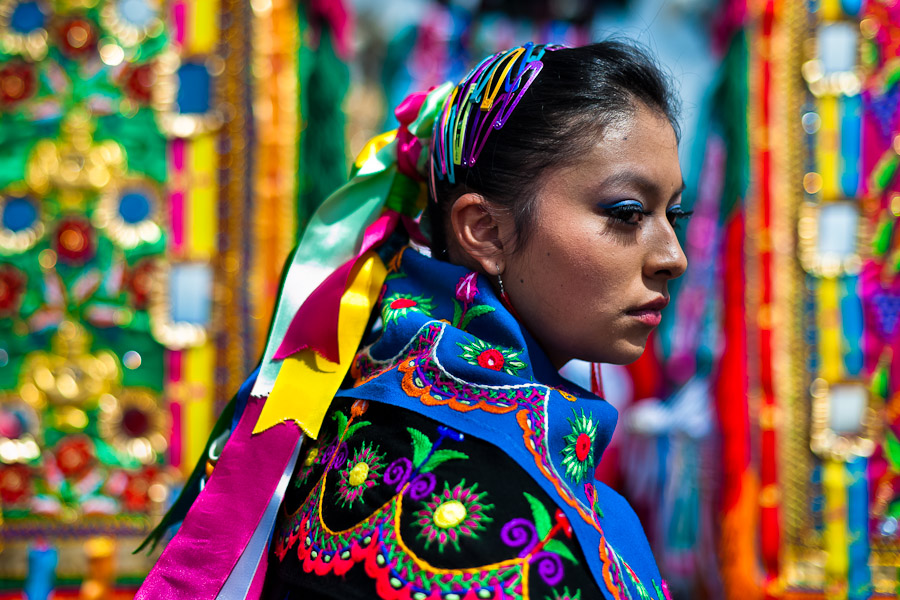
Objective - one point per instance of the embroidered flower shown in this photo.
(15, 484)
(77, 37)
(565, 594)
(467, 288)
(139, 282)
(398, 306)
(74, 456)
(138, 80)
(18, 82)
(454, 513)
(12, 286)
(496, 358)
(359, 474)
(74, 241)
(578, 456)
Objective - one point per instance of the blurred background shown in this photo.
(159, 159)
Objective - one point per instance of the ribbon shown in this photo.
(307, 382)
(242, 486)
(339, 233)
(315, 326)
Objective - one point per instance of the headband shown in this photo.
(481, 103)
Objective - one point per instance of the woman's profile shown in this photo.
(439, 453)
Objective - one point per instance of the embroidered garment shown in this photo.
(458, 464)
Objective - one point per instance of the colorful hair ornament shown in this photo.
(483, 101)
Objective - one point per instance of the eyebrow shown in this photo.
(645, 184)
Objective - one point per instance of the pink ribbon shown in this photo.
(409, 148)
(196, 563)
(315, 326)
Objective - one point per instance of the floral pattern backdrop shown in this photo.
(100, 103)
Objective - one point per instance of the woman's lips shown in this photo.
(648, 317)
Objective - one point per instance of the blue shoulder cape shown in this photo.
(447, 348)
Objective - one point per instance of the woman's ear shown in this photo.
(477, 233)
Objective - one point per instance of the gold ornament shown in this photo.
(75, 163)
(132, 422)
(108, 217)
(69, 375)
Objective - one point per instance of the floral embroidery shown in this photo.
(456, 512)
(398, 306)
(359, 474)
(376, 543)
(423, 377)
(466, 290)
(578, 456)
(565, 594)
(308, 465)
(497, 358)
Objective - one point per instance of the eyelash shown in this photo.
(623, 212)
(676, 215)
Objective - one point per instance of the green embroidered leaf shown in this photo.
(356, 426)
(892, 449)
(341, 419)
(457, 313)
(558, 547)
(421, 445)
(540, 515)
(441, 456)
(475, 311)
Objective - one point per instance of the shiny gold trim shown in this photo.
(170, 121)
(827, 265)
(145, 448)
(13, 242)
(126, 33)
(31, 45)
(827, 443)
(175, 335)
(75, 161)
(108, 218)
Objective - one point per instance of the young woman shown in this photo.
(453, 461)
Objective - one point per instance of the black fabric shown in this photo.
(486, 470)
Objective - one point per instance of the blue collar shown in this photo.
(446, 347)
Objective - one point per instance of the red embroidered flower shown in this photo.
(77, 37)
(74, 457)
(491, 359)
(12, 285)
(582, 446)
(15, 484)
(138, 80)
(136, 496)
(18, 82)
(74, 241)
(403, 303)
(140, 282)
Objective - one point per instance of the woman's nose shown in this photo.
(665, 258)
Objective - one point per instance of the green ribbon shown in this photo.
(334, 232)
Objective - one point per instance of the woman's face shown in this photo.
(592, 278)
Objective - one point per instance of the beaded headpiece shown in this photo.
(482, 102)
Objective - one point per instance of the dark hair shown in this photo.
(578, 92)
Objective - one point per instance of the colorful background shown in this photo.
(157, 160)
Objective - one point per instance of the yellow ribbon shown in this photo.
(307, 382)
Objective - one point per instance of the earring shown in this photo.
(500, 281)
